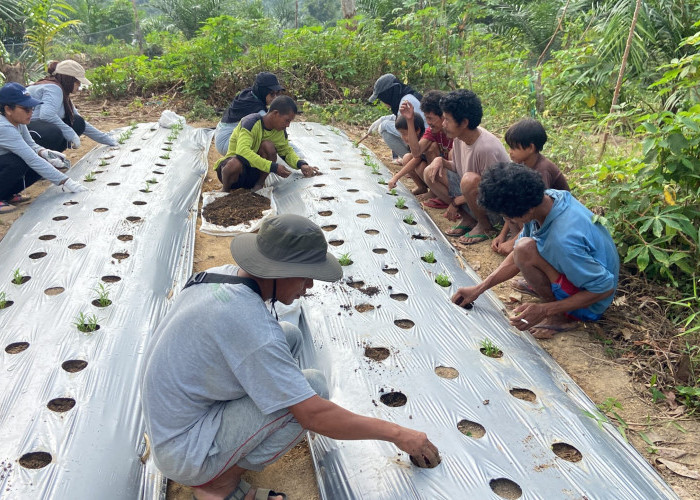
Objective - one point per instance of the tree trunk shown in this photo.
(137, 27)
(348, 8)
(620, 75)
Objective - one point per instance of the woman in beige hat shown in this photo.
(56, 123)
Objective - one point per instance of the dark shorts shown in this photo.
(249, 175)
(562, 289)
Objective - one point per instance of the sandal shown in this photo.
(18, 198)
(521, 285)
(456, 231)
(243, 488)
(6, 208)
(435, 203)
(478, 237)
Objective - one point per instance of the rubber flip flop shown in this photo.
(553, 328)
(523, 286)
(6, 208)
(480, 237)
(18, 198)
(435, 203)
(462, 231)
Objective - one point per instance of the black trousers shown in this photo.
(15, 175)
(49, 136)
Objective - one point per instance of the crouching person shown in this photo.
(568, 260)
(221, 389)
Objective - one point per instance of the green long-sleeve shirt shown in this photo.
(246, 139)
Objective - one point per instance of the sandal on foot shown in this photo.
(544, 335)
(458, 230)
(435, 203)
(521, 285)
(6, 208)
(479, 238)
(18, 198)
(243, 488)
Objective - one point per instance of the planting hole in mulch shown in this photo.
(328, 198)
(419, 236)
(524, 394)
(322, 142)
(100, 209)
(327, 151)
(240, 205)
(431, 262)
(60, 405)
(410, 222)
(138, 202)
(35, 460)
(428, 464)
(70, 203)
(158, 172)
(355, 284)
(85, 328)
(318, 185)
(567, 452)
(329, 227)
(37, 255)
(21, 281)
(54, 290)
(372, 232)
(160, 164)
(325, 213)
(404, 323)
(133, 218)
(112, 183)
(380, 251)
(104, 303)
(443, 283)
(471, 429)
(491, 354)
(446, 372)
(390, 270)
(505, 488)
(364, 216)
(393, 399)
(107, 157)
(335, 168)
(377, 353)
(336, 243)
(145, 190)
(345, 178)
(364, 307)
(16, 347)
(168, 142)
(74, 365)
(98, 171)
(8, 303)
(60, 217)
(135, 149)
(46, 237)
(125, 237)
(353, 190)
(125, 165)
(334, 159)
(76, 246)
(110, 279)
(401, 297)
(120, 255)
(361, 201)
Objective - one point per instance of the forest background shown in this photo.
(615, 82)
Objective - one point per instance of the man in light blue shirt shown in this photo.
(568, 260)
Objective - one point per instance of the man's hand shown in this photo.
(418, 446)
(282, 171)
(392, 183)
(308, 170)
(435, 172)
(452, 213)
(74, 143)
(528, 315)
(502, 246)
(465, 295)
(406, 110)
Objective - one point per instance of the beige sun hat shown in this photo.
(72, 68)
(286, 246)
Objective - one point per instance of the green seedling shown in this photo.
(429, 257)
(147, 189)
(89, 177)
(165, 156)
(167, 148)
(375, 168)
(17, 277)
(102, 295)
(152, 180)
(103, 163)
(3, 300)
(345, 260)
(409, 219)
(443, 280)
(392, 192)
(382, 181)
(401, 203)
(85, 323)
(490, 349)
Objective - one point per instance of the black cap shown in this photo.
(268, 80)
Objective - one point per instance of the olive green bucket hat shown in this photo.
(286, 246)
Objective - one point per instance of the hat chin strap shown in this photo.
(274, 299)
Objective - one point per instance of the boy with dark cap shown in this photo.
(232, 397)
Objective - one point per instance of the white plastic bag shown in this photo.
(169, 118)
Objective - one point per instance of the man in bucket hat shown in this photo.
(222, 391)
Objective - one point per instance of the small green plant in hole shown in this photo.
(89, 177)
(102, 295)
(103, 163)
(443, 280)
(3, 300)
(345, 260)
(400, 202)
(382, 181)
(489, 349)
(86, 323)
(392, 192)
(147, 189)
(165, 156)
(17, 277)
(409, 219)
(429, 257)
(152, 180)
(375, 168)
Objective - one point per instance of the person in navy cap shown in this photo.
(22, 161)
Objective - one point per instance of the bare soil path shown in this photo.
(584, 353)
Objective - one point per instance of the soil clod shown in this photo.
(393, 399)
(377, 353)
(35, 460)
(17, 347)
(237, 207)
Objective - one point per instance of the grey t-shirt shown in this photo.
(477, 157)
(217, 343)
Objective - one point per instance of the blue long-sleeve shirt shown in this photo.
(576, 247)
(16, 139)
(52, 111)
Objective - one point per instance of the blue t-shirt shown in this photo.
(576, 247)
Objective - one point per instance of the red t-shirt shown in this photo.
(444, 143)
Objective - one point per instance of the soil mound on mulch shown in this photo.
(235, 208)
